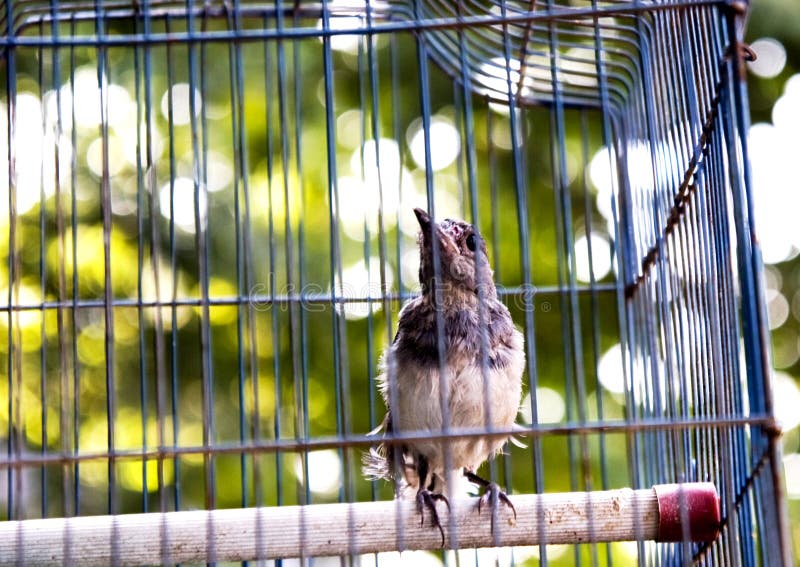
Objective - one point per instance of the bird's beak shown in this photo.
(427, 225)
(424, 219)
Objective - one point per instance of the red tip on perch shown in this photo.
(688, 511)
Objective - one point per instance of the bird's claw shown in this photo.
(427, 499)
(492, 497)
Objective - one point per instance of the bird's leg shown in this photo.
(426, 498)
(492, 494)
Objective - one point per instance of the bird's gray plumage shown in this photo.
(483, 363)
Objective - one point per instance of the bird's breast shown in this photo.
(474, 397)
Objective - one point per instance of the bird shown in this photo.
(458, 315)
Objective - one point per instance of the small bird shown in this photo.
(483, 360)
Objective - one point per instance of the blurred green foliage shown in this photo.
(273, 370)
(780, 20)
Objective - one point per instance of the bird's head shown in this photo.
(463, 261)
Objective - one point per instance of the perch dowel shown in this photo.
(665, 513)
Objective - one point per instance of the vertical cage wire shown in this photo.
(208, 233)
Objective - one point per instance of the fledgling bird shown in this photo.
(483, 361)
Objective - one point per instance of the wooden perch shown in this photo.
(665, 513)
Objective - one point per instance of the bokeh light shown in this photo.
(550, 406)
(600, 257)
(371, 188)
(601, 174)
(348, 128)
(785, 112)
(88, 102)
(131, 144)
(115, 149)
(359, 283)
(786, 401)
(179, 204)
(494, 76)
(776, 188)
(791, 467)
(324, 471)
(36, 146)
(777, 308)
(181, 107)
(381, 167)
(770, 58)
(344, 43)
(409, 264)
(26, 319)
(219, 172)
(610, 370)
(445, 143)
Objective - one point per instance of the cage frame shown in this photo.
(734, 120)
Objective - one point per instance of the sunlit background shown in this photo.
(774, 87)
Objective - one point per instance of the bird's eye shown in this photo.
(471, 242)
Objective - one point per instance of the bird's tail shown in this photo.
(375, 464)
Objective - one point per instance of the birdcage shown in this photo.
(207, 235)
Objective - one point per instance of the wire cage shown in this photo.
(208, 234)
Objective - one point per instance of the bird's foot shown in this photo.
(427, 499)
(492, 496)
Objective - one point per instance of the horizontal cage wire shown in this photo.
(208, 231)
